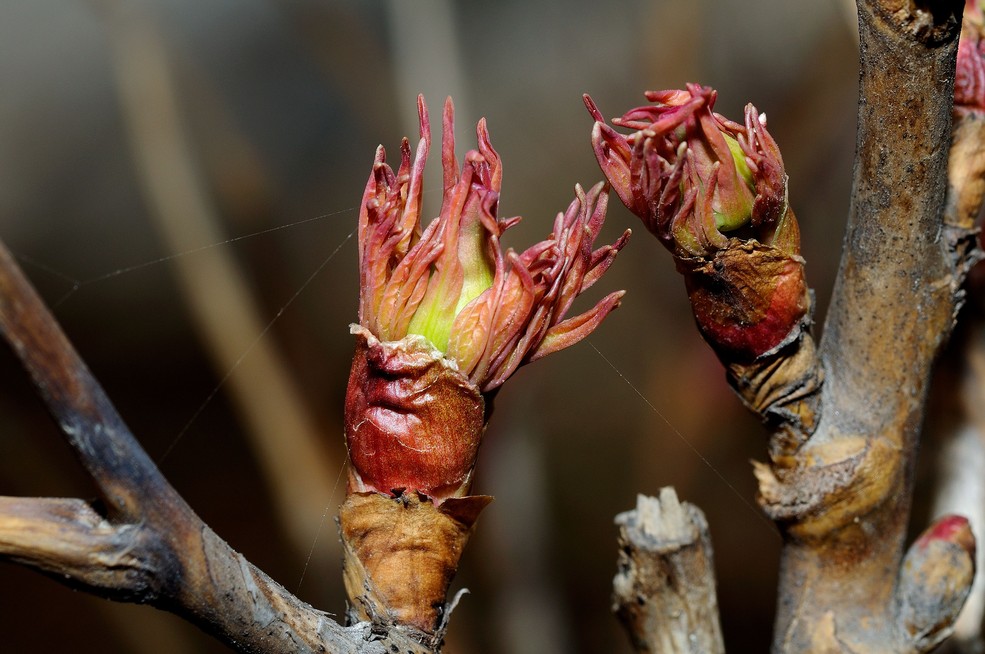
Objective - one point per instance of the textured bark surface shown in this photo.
(844, 505)
(143, 543)
(664, 592)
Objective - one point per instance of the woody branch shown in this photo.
(142, 542)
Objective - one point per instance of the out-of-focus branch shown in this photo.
(969, 629)
(427, 57)
(528, 612)
(664, 592)
(143, 543)
(851, 16)
(281, 430)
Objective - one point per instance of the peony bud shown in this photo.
(446, 316)
(715, 193)
(935, 580)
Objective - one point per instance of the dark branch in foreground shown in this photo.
(144, 544)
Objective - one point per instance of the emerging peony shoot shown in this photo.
(446, 316)
(714, 192)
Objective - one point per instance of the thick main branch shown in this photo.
(844, 507)
(894, 300)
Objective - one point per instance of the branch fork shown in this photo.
(142, 543)
(844, 417)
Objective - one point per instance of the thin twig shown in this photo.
(664, 592)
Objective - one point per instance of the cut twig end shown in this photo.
(659, 523)
(664, 591)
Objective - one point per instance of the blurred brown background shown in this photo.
(238, 134)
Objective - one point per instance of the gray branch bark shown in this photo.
(143, 543)
(664, 592)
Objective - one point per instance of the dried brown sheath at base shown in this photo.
(752, 305)
(401, 554)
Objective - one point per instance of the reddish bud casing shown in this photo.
(412, 420)
(714, 192)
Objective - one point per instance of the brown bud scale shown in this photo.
(401, 554)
